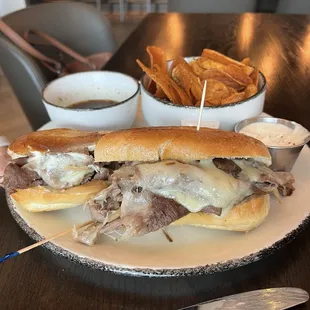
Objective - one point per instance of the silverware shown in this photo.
(266, 299)
(283, 157)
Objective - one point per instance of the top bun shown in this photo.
(54, 140)
(178, 143)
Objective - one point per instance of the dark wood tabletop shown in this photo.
(279, 46)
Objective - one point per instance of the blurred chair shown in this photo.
(77, 25)
(98, 3)
(7, 7)
(160, 5)
(293, 6)
(123, 6)
(212, 6)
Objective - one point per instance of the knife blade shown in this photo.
(265, 299)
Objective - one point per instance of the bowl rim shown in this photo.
(262, 89)
(90, 109)
(261, 119)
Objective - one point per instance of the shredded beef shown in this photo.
(268, 181)
(16, 177)
(139, 211)
(212, 210)
(285, 180)
(102, 174)
(87, 235)
(105, 170)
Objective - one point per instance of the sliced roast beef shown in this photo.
(163, 212)
(20, 161)
(145, 212)
(228, 166)
(16, 177)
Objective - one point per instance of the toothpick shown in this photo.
(35, 245)
(202, 104)
(167, 235)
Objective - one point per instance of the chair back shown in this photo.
(77, 25)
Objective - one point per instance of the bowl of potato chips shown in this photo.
(172, 90)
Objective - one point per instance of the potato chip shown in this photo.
(177, 61)
(255, 77)
(188, 81)
(247, 70)
(196, 68)
(232, 91)
(157, 57)
(159, 93)
(162, 80)
(206, 63)
(238, 74)
(250, 90)
(218, 57)
(216, 92)
(220, 76)
(233, 98)
(150, 85)
(184, 98)
(246, 61)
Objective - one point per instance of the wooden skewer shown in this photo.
(35, 245)
(202, 104)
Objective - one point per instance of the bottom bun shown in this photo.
(242, 217)
(41, 198)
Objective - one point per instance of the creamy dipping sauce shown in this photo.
(273, 134)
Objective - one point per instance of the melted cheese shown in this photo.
(252, 173)
(61, 170)
(194, 186)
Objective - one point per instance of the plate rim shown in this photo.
(157, 272)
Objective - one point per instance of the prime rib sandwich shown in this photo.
(53, 169)
(174, 175)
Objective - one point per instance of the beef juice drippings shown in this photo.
(92, 104)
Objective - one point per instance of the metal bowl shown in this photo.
(283, 157)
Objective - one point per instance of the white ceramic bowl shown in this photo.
(78, 87)
(158, 112)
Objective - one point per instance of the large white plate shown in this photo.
(194, 250)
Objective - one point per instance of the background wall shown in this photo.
(8, 6)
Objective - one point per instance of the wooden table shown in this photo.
(280, 47)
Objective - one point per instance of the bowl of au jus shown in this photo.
(97, 100)
(285, 139)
